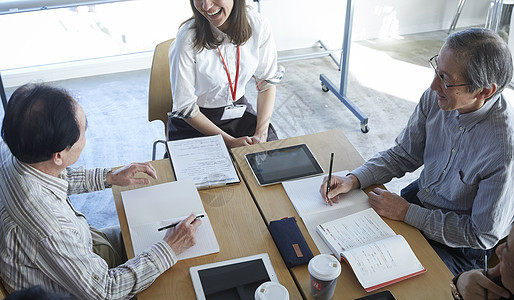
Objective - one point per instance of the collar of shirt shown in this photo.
(219, 34)
(471, 119)
(57, 186)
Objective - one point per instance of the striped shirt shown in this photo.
(467, 183)
(45, 241)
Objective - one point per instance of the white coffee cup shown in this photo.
(324, 270)
(270, 290)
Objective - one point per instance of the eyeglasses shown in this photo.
(433, 64)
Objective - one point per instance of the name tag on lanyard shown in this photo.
(232, 111)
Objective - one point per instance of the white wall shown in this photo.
(299, 24)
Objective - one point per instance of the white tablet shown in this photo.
(282, 164)
(232, 279)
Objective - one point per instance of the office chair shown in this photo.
(159, 96)
(3, 291)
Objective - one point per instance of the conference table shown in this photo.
(240, 214)
(237, 224)
(274, 204)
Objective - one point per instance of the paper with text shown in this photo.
(204, 159)
(383, 262)
(152, 207)
(356, 230)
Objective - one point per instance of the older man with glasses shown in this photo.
(462, 133)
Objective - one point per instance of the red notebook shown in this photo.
(376, 254)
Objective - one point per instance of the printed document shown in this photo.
(204, 159)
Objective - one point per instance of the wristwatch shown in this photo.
(105, 172)
(453, 287)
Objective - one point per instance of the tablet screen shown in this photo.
(275, 166)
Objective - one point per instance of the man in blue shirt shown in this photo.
(461, 132)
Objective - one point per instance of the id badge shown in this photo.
(233, 112)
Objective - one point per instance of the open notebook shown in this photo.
(305, 196)
(152, 207)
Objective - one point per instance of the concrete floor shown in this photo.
(385, 81)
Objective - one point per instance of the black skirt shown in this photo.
(178, 129)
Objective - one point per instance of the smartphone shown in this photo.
(385, 295)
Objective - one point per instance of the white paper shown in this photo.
(152, 207)
(145, 235)
(308, 202)
(204, 159)
(357, 229)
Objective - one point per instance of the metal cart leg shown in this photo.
(327, 85)
(2, 93)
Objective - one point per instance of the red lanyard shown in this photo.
(233, 89)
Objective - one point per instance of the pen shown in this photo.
(486, 292)
(175, 224)
(330, 174)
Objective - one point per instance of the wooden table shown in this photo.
(239, 228)
(274, 204)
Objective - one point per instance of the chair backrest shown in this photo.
(3, 291)
(159, 94)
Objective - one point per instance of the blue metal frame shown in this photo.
(2, 93)
(345, 59)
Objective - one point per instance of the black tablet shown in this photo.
(234, 279)
(277, 165)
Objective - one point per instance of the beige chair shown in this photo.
(159, 95)
(3, 291)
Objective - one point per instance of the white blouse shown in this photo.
(200, 77)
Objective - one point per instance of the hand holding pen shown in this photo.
(184, 235)
(175, 224)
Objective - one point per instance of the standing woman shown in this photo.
(215, 54)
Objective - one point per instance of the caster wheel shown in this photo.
(364, 128)
(324, 88)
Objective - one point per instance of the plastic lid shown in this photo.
(324, 267)
(271, 291)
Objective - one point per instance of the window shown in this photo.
(77, 33)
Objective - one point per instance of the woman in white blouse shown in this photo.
(215, 54)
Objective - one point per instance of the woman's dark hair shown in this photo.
(39, 121)
(239, 29)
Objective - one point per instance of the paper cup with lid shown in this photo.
(324, 270)
(270, 290)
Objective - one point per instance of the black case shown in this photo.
(290, 242)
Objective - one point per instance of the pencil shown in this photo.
(486, 292)
(329, 174)
(175, 224)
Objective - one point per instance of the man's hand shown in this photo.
(182, 237)
(388, 204)
(126, 175)
(471, 285)
(338, 185)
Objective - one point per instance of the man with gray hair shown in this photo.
(462, 133)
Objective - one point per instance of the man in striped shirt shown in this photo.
(43, 240)
(462, 133)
